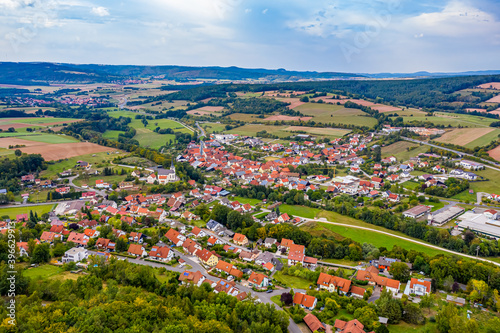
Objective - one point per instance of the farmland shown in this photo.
(400, 150)
(331, 132)
(252, 129)
(332, 113)
(56, 151)
(469, 137)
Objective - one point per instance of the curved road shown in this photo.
(453, 151)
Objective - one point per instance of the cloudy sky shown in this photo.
(339, 35)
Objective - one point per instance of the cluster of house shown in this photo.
(197, 278)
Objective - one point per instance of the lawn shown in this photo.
(400, 150)
(377, 239)
(277, 300)
(435, 206)
(292, 281)
(490, 186)
(42, 272)
(242, 200)
(301, 211)
(13, 211)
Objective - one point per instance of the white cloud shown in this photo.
(419, 35)
(100, 11)
(265, 11)
(10, 4)
(248, 10)
(457, 19)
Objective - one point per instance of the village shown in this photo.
(163, 230)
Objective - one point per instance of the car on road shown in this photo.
(269, 291)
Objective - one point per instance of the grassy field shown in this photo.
(277, 300)
(377, 239)
(452, 119)
(292, 281)
(33, 121)
(4, 152)
(97, 161)
(42, 272)
(301, 211)
(490, 186)
(213, 127)
(13, 211)
(91, 181)
(148, 138)
(111, 134)
(49, 138)
(242, 200)
(400, 150)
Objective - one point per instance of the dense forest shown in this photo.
(426, 93)
(123, 297)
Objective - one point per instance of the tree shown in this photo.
(400, 271)
(448, 283)
(121, 245)
(286, 299)
(59, 250)
(41, 254)
(377, 154)
(18, 152)
(427, 301)
(382, 329)
(367, 316)
(444, 316)
(413, 314)
(389, 307)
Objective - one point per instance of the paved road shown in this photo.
(202, 131)
(453, 151)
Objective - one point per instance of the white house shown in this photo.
(75, 254)
(418, 287)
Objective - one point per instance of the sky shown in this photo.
(358, 36)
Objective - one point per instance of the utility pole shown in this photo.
(477, 251)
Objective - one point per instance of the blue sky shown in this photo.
(338, 35)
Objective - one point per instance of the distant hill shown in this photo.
(40, 73)
(45, 73)
(24, 73)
